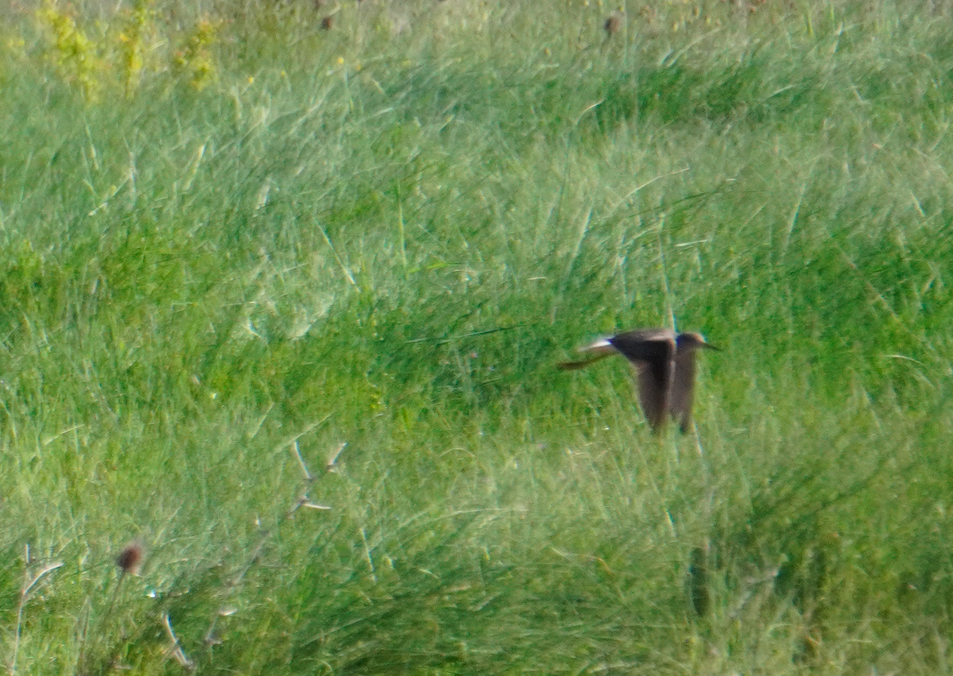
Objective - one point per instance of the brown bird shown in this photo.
(665, 369)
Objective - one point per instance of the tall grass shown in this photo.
(233, 240)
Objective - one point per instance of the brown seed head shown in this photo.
(613, 24)
(327, 23)
(130, 558)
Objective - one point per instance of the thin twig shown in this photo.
(28, 584)
(303, 500)
(304, 468)
(175, 649)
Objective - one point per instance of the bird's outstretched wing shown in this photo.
(683, 388)
(654, 380)
(574, 365)
(598, 350)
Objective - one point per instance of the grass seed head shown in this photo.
(613, 24)
(130, 558)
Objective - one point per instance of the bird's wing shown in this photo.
(654, 385)
(645, 344)
(598, 350)
(573, 365)
(603, 346)
(652, 353)
(683, 386)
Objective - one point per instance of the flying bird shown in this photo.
(664, 362)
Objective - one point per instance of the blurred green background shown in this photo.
(237, 235)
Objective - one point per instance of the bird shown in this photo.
(664, 362)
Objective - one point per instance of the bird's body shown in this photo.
(665, 369)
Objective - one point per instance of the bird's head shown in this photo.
(693, 341)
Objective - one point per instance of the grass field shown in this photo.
(253, 267)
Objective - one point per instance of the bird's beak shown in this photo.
(709, 346)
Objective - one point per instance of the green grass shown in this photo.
(268, 239)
